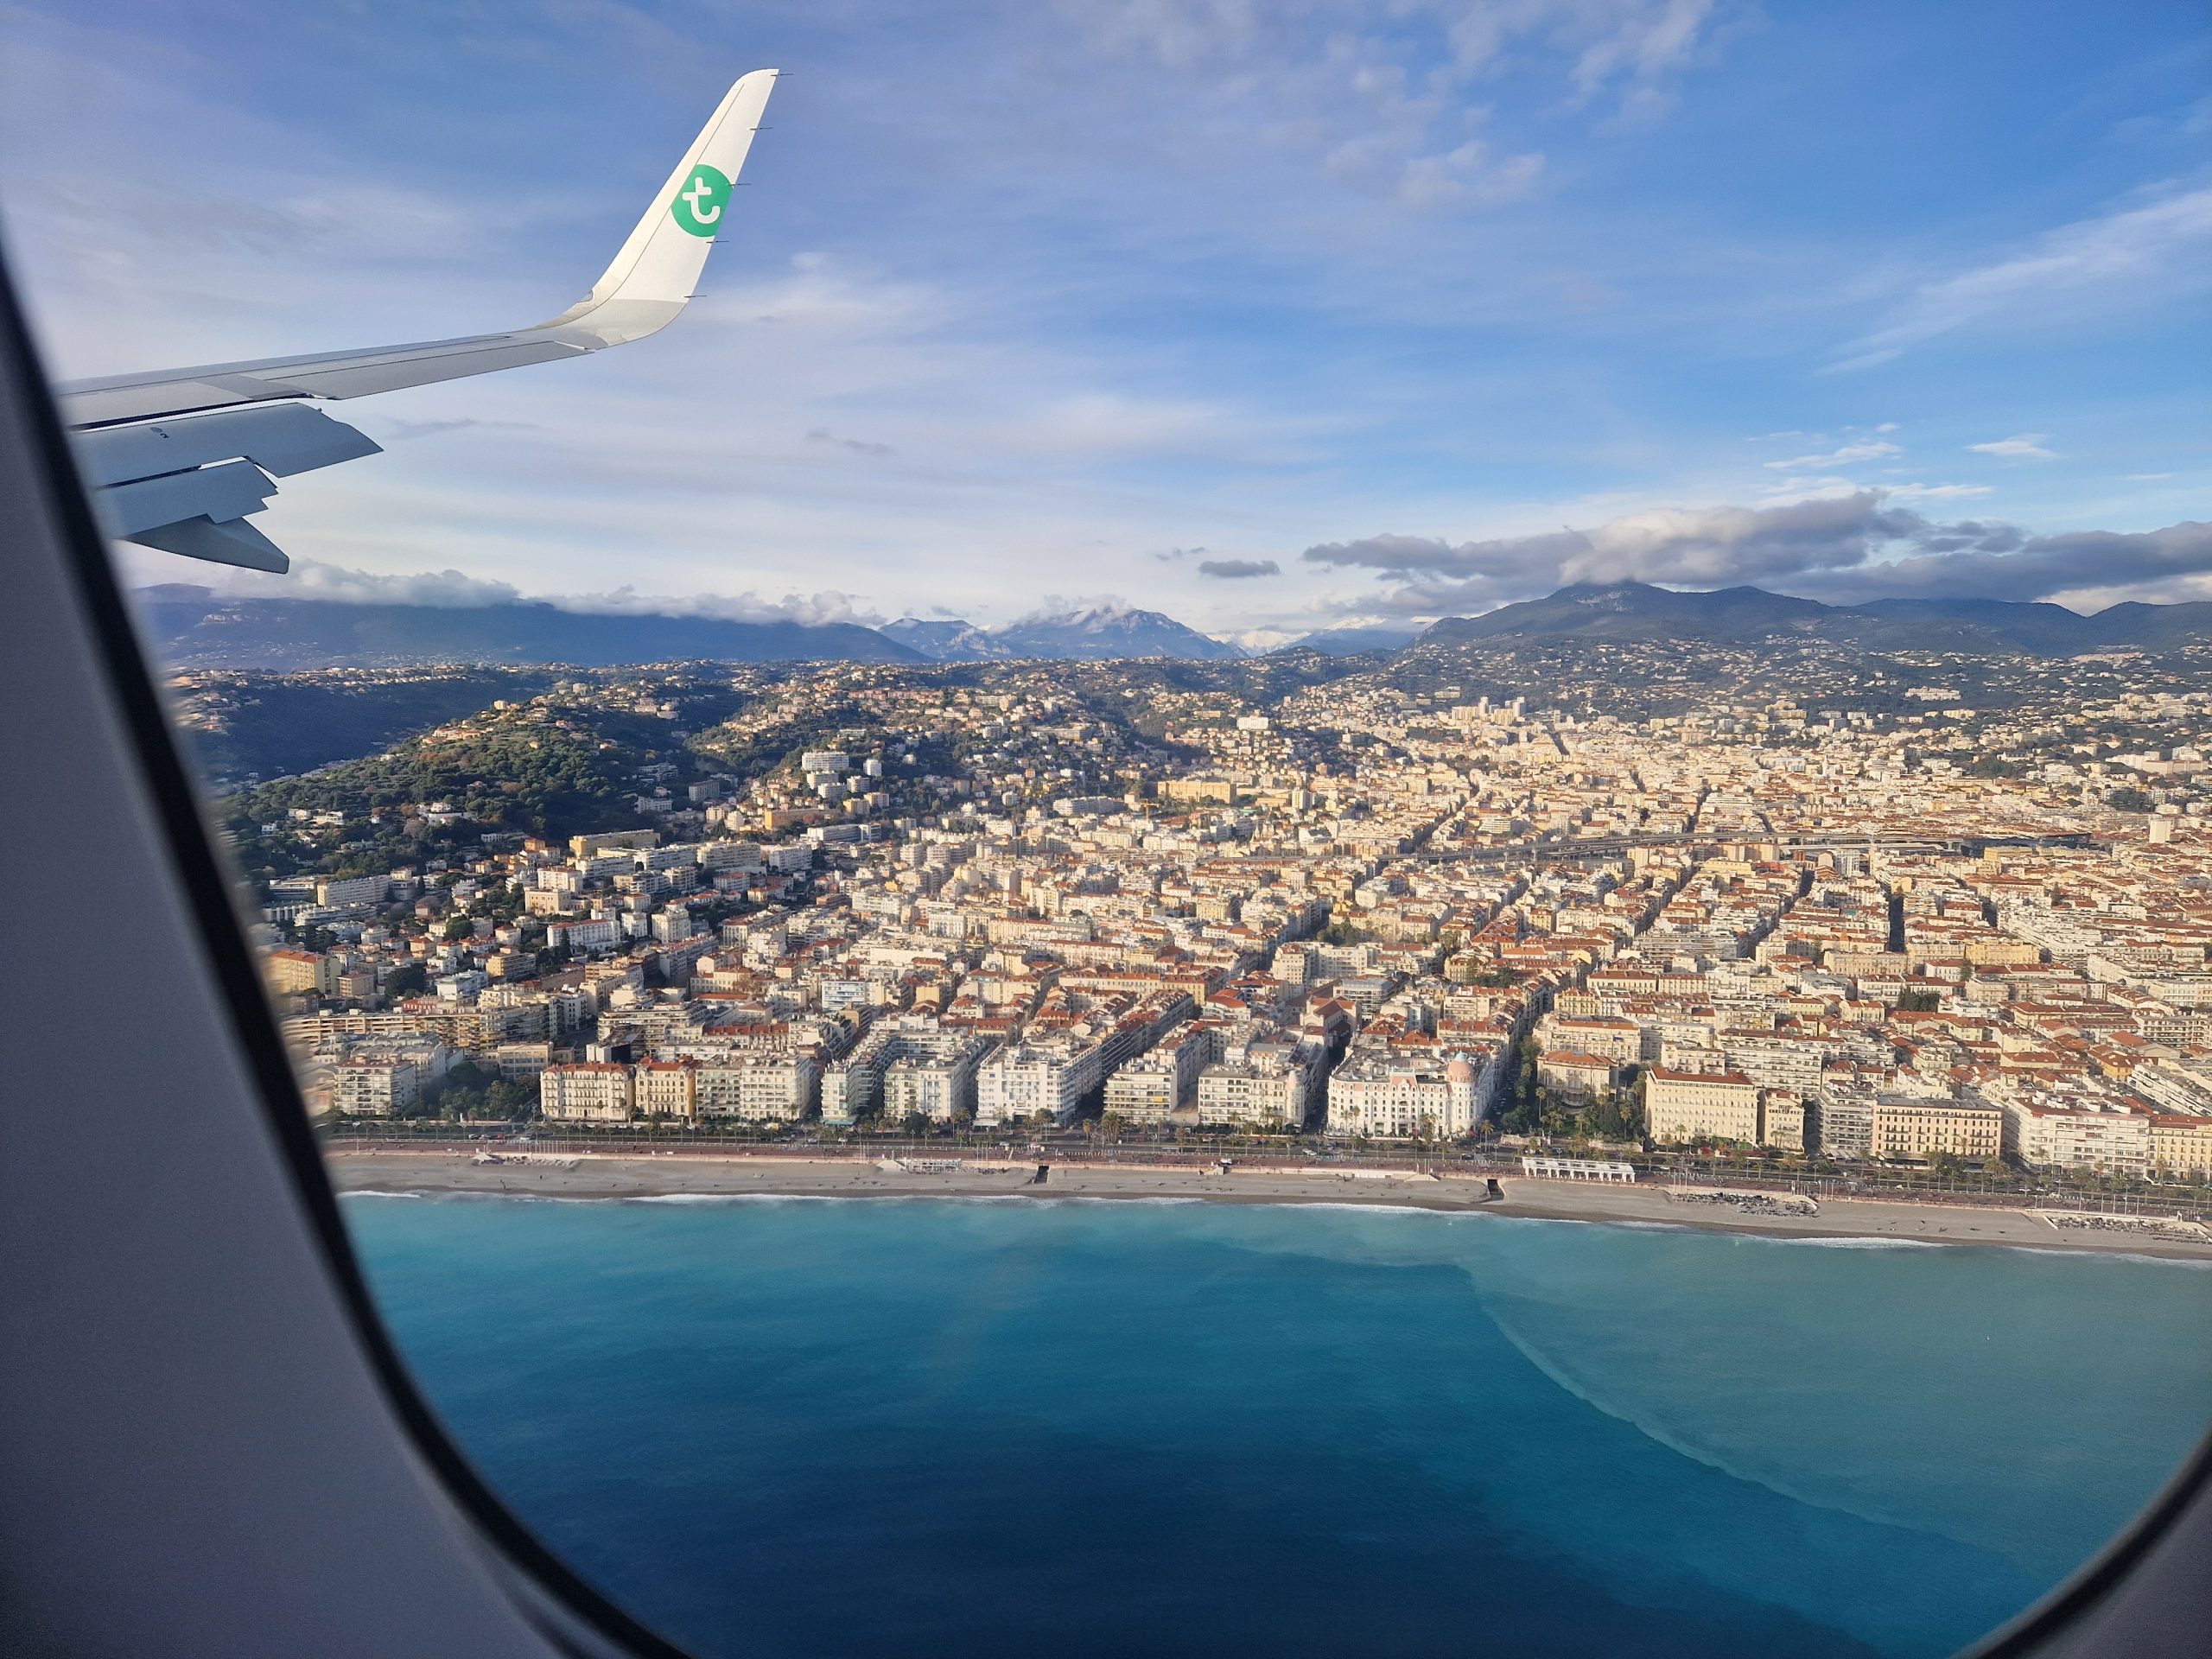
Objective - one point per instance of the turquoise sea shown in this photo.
(787, 1426)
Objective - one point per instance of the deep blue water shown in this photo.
(878, 1425)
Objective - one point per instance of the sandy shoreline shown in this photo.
(593, 1176)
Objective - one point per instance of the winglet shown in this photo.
(659, 266)
(186, 485)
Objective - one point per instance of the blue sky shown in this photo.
(1426, 306)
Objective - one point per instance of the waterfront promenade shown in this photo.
(453, 1168)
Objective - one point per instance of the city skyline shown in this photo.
(1269, 324)
(1945, 911)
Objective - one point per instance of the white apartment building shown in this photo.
(1920, 1128)
(2184, 1088)
(1684, 1106)
(1148, 1089)
(758, 1088)
(850, 1089)
(2080, 1135)
(941, 1087)
(1845, 1120)
(1776, 1062)
(350, 892)
(1606, 1036)
(595, 933)
(1384, 1094)
(1271, 1084)
(665, 1089)
(907, 1066)
(372, 1087)
(1018, 1082)
(595, 1092)
(729, 856)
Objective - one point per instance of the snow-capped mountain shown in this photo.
(942, 641)
(1099, 633)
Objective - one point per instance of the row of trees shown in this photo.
(470, 1092)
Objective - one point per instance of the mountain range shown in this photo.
(192, 628)
(1354, 641)
(1752, 616)
(1099, 634)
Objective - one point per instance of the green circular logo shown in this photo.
(699, 205)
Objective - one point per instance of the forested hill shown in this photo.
(553, 767)
(245, 727)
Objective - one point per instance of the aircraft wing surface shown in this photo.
(178, 457)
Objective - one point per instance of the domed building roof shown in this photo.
(1461, 1069)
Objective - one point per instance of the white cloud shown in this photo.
(813, 610)
(2087, 272)
(1642, 47)
(1841, 456)
(1354, 81)
(315, 580)
(1183, 35)
(1935, 491)
(1694, 547)
(2027, 446)
(1462, 176)
(1062, 607)
(443, 589)
(1808, 488)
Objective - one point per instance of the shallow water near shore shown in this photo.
(929, 1426)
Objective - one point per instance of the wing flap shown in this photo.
(279, 438)
(236, 543)
(229, 489)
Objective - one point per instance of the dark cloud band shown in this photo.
(1846, 548)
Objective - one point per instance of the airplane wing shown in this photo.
(178, 458)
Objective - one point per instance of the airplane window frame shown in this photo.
(209, 895)
(209, 891)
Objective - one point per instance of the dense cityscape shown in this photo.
(1125, 827)
(1357, 903)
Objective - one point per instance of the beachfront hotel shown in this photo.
(1682, 1107)
(1921, 1129)
(1383, 1094)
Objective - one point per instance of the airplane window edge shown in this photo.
(548, 1590)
